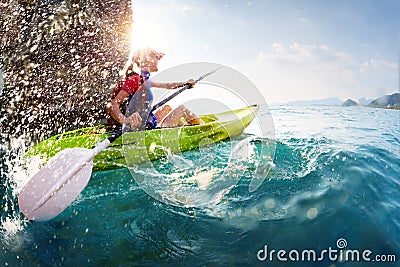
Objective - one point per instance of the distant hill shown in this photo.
(386, 101)
(332, 101)
(349, 103)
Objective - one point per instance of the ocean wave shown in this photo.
(318, 189)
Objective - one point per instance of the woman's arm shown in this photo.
(171, 85)
(113, 108)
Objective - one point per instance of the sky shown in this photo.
(290, 49)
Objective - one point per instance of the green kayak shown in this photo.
(143, 146)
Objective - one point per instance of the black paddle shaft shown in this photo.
(115, 135)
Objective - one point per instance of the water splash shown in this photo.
(45, 42)
(15, 172)
(206, 175)
(179, 162)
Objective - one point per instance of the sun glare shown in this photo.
(147, 31)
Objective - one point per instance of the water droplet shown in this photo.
(33, 48)
(312, 213)
(269, 203)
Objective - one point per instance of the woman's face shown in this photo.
(153, 65)
(147, 59)
(150, 63)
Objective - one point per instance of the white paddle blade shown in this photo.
(57, 184)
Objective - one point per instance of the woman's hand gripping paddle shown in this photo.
(61, 180)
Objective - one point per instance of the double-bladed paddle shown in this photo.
(61, 180)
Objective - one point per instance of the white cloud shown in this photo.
(373, 65)
(279, 49)
(303, 71)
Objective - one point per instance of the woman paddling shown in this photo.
(147, 60)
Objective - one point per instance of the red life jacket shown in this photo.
(130, 85)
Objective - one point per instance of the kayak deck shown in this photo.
(143, 146)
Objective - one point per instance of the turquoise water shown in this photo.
(336, 176)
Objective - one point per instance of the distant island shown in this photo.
(387, 101)
(332, 101)
(349, 103)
